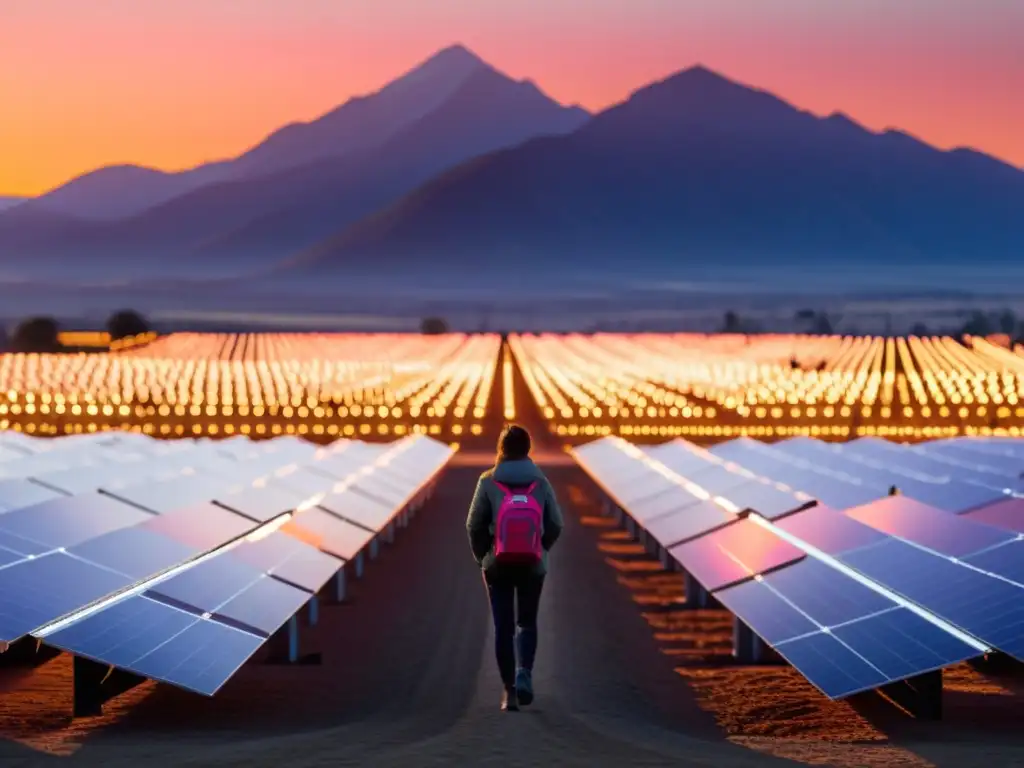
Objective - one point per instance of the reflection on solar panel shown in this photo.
(1008, 514)
(890, 590)
(182, 576)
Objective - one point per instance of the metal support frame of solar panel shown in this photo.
(115, 551)
(800, 630)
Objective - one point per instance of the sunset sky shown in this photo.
(172, 83)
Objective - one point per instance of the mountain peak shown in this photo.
(456, 52)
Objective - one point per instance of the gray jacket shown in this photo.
(487, 498)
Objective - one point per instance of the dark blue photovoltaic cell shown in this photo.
(264, 502)
(1006, 561)
(169, 495)
(70, 520)
(201, 658)
(135, 552)
(208, 584)
(123, 632)
(358, 508)
(22, 546)
(688, 522)
(765, 612)
(204, 526)
(929, 527)
(290, 559)
(829, 530)
(18, 492)
(825, 594)
(829, 665)
(987, 608)
(322, 530)
(36, 592)
(7, 557)
(902, 644)
(265, 605)
(767, 500)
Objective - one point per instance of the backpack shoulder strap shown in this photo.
(502, 487)
(531, 486)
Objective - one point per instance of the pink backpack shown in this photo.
(518, 526)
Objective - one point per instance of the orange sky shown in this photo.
(171, 83)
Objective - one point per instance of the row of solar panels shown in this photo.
(803, 542)
(178, 560)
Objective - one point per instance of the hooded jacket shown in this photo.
(487, 498)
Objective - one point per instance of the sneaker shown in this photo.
(509, 700)
(524, 686)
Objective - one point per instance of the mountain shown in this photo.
(10, 202)
(240, 223)
(121, 191)
(360, 124)
(695, 172)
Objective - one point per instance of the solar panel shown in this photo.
(690, 521)
(906, 458)
(1008, 514)
(291, 559)
(326, 532)
(953, 496)
(208, 584)
(135, 552)
(671, 500)
(987, 608)
(831, 666)
(160, 642)
(901, 644)
(169, 495)
(70, 520)
(361, 509)
(379, 488)
(681, 457)
(265, 605)
(829, 531)
(766, 499)
(651, 486)
(263, 502)
(734, 553)
(203, 526)
(18, 492)
(302, 480)
(37, 591)
(720, 479)
(826, 595)
(939, 531)
(765, 612)
(1006, 561)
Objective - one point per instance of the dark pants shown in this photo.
(504, 586)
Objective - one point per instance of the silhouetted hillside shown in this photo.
(693, 170)
(242, 224)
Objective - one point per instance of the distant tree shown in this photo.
(434, 326)
(1007, 322)
(125, 323)
(977, 325)
(731, 323)
(919, 329)
(822, 325)
(37, 334)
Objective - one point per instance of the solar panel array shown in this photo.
(177, 560)
(861, 564)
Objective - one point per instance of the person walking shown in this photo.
(513, 522)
